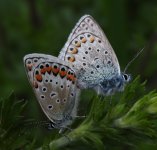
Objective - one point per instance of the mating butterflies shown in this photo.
(90, 52)
(86, 61)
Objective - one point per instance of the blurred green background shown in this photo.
(43, 26)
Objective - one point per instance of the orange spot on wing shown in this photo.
(69, 77)
(38, 77)
(78, 44)
(91, 39)
(43, 70)
(48, 69)
(29, 67)
(62, 73)
(55, 70)
(71, 59)
(35, 84)
(83, 40)
(74, 51)
(74, 79)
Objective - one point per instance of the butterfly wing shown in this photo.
(54, 84)
(89, 50)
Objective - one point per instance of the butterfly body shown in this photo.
(90, 52)
(54, 84)
(110, 86)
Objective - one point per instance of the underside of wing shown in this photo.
(54, 84)
(89, 50)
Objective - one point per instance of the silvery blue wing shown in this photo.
(54, 84)
(90, 52)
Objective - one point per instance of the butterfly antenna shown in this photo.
(138, 53)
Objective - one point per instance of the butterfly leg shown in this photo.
(62, 129)
(50, 126)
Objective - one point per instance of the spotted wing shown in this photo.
(54, 84)
(89, 50)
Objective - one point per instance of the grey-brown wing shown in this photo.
(89, 50)
(54, 84)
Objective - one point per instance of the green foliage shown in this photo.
(10, 123)
(126, 119)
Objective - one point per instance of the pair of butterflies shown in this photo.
(86, 61)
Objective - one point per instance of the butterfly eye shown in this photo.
(126, 77)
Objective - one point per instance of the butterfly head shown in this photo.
(110, 86)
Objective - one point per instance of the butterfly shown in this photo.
(54, 83)
(90, 52)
